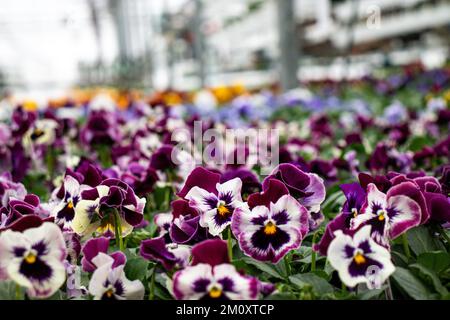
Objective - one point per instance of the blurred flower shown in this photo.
(34, 259)
(219, 282)
(110, 283)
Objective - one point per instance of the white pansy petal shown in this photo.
(134, 290)
(201, 199)
(404, 214)
(50, 235)
(231, 188)
(289, 211)
(71, 185)
(83, 214)
(46, 288)
(102, 190)
(317, 188)
(102, 259)
(360, 219)
(209, 220)
(98, 279)
(243, 217)
(242, 287)
(340, 258)
(191, 282)
(374, 196)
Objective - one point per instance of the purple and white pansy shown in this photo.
(220, 282)
(64, 210)
(34, 259)
(111, 204)
(216, 206)
(307, 188)
(169, 254)
(359, 259)
(268, 233)
(110, 283)
(389, 215)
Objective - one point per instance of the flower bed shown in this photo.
(97, 202)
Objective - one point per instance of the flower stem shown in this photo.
(287, 267)
(151, 294)
(118, 230)
(388, 291)
(406, 246)
(444, 234)
(313, 254)
(18, 292)
(230, 244)
(344, 288)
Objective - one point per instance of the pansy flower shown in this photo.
(93, 247)
(389, 215)
(185, 227)
(267, 233)
(42, 132)
(355, 198)
(20, 215)
(359, 259)
(102, 208)
(206, 282)
(10, 189)
(163, 221)
(64, 211)
(34, 259)
(169, 254)
(216, 204)
(307, 188)
(212, 277)
(110, 283)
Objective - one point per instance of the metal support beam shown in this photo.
(199, 42)
(288, 44)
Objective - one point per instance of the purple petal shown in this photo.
(201, 178)
(212, 252)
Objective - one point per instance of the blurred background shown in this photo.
(50, 46)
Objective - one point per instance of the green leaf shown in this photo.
(410, 284)
(136, 269)
(281, 296)
(371, 294)
(437, 261)
(8, 291)
(421, 241)
(270, 269)
(319, 285)
(431, 276)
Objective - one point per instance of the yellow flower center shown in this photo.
(355, 212)
(359, 258)
(36, 134)
(70, 205)
(30, 258)
(270, 228)
(222, 209)
(215, 292)
(109, 293)
(381, 215)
